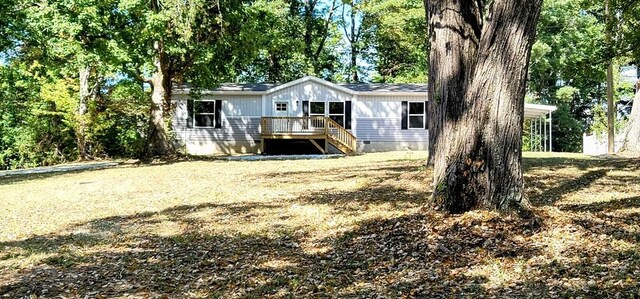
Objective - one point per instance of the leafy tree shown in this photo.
(78, 37)
(285, 40)
(398, 47)
(173, 41)
(355, 29)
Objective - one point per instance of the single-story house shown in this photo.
(308, 114)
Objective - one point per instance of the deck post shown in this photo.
(326, 145)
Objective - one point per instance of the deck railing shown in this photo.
(287, 125)
(339, 133)
(308, 125)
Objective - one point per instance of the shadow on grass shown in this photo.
(532, 163)
(395, 257)
(566, 185)
(423, 255)
(612, 205)
(417, 255)
(408, 256)
(552, 186)
(18, 178)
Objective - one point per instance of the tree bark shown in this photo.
(85, 93)
(477, 83)
(631, 146)
(354, 46)
(611, 109)
(159, 142)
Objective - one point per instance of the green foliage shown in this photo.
(567, 131)
(38, 124)
(273, 45)
(119, 121)
(399, 44)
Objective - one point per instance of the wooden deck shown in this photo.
(310, 128)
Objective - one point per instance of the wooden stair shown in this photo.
(310, 128)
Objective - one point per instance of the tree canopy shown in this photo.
(92, 78)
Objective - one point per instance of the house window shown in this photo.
(281, 106)
(204, 113)
(416, 115)
(336, 112)
(316, 109)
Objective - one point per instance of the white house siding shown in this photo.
(305, 91)
(240, 131)
(378, 124)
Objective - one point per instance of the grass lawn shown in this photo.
(348, 227)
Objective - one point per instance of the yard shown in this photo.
(348, 227)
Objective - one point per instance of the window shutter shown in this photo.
(218, 114)
(347, 115)
(426, 115)
(405, 115)
(305, 108)
(189, 113)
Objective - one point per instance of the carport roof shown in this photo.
(537, 110)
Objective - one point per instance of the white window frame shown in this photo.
(286, 106)
(423, 114)
(324, 111)
(195, 114)
(329, 114)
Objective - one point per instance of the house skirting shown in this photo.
(222, 147)
(386, 146)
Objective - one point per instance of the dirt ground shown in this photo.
(351, 227)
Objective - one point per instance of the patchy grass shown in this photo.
(351, 227)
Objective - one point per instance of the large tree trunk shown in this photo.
(85, 93)
(631, 146)
(477, 83)
(159, 141)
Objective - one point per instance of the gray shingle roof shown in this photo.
(246, 86)
(382, 87)
(358, 87)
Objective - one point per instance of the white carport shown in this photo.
(540, 126)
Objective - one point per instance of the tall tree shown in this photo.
(568, 69)
(175, 41)
(477, 81)
(77, 38)
(397, 45)
(628, 45)
(352, 25)
(611, 108)
(317, 19)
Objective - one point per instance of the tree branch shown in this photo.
(137, 74)
(327, 22)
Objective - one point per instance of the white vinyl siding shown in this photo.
(240, 126)
(305, 91)
(379, 118)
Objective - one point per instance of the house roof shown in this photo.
(246, 86)
(357, 88)
(382, 87)
(530, 110)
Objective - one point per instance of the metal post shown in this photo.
(534, 128)
(530, 135)
(535, 134)
(544, 124)
(539, 134)
(550, 133)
